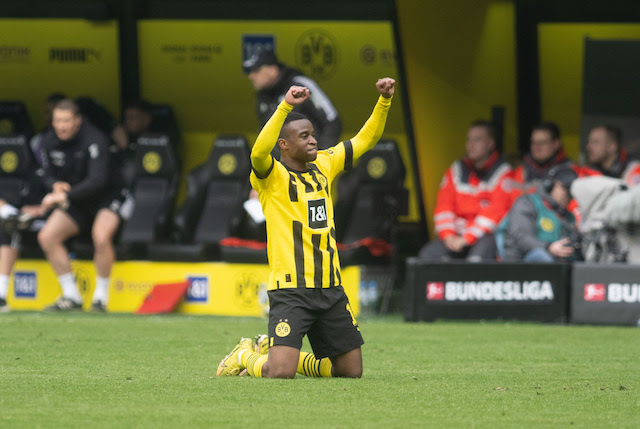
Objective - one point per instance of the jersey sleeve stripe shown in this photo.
(348, 155)
(268, 171)
(298, 252)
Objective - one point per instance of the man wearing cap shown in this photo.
(272, 79)
(539, 228)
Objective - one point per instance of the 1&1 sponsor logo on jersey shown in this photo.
(24, 284)
(198, 289)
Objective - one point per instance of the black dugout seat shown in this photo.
(15, 155)
(154, 192)
(164, 122)
(370, 210)
(14, 119)
(213, 208)
(97, 114)
(19, 183)
(15, 162)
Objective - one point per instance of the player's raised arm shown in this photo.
(261, 159)
(372, 130)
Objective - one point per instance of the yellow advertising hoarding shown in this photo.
(72, 56)
(216, 288)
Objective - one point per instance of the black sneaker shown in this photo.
(65, 304)
(3, 305)
(98, 307)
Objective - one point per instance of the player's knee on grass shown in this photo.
(348, 365)
(282, 362)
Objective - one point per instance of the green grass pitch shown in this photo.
(86, 370)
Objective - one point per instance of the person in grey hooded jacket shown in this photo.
(539, 228)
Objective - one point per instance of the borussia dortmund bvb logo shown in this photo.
(546, 224)
(84, 284)
(247, 286)
(317, 54)
(282, 328)
(227, 164)
(376, 167)
(9, 162)
(151, 162)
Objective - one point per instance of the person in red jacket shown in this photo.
(606, 155)
(474, 196)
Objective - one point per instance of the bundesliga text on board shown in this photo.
(613, 292)
(501, 291)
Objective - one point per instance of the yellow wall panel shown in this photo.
(459, 60)
(72, 56)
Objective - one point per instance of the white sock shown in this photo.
(240, 356)
(101, 294)
(4, 286)
(69, 287)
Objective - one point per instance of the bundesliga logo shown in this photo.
(613, 292)
(435, 291)
(490, 291)
(594, 292)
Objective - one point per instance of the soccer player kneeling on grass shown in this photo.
(305, 290)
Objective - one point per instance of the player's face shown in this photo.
(543, 145)
(66, 124)
(598, 146)
(302, 142)
(479, 144)
(264, 77)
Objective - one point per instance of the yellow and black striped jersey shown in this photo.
(301, 238)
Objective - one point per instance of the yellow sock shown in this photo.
(311, 367)
(253, 362)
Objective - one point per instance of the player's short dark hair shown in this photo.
(548, 126)
(488, 125)
(67, 104)
(291, 117)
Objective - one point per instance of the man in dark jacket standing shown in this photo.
(272, 79)
(539, 228)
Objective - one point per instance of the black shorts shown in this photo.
(324, 315)
(10, 239)
(119, 201)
